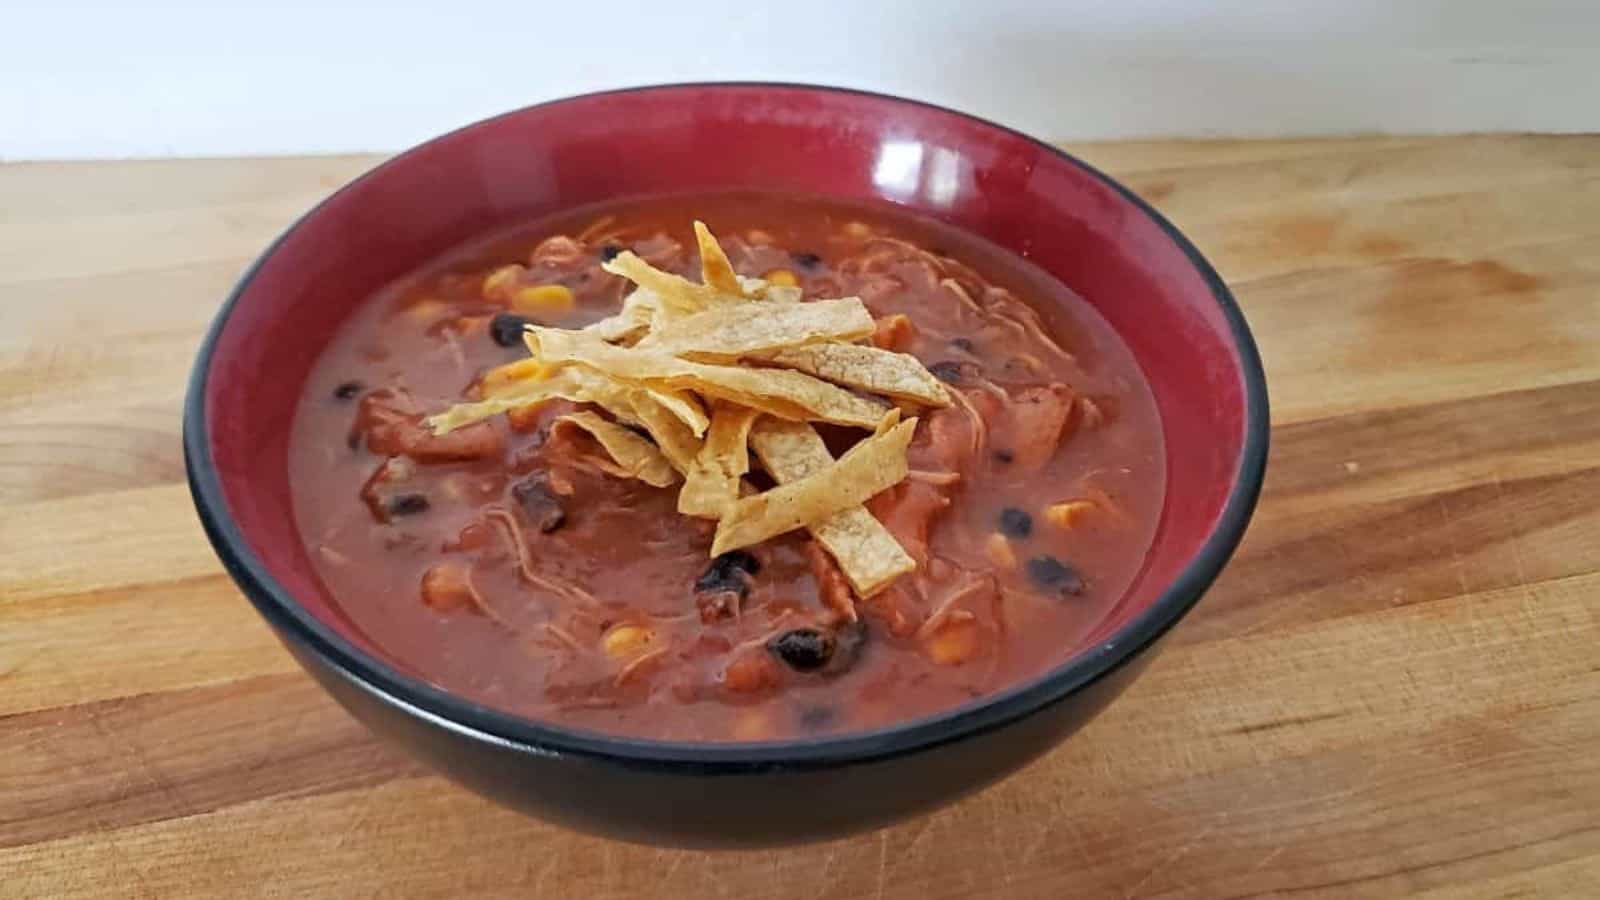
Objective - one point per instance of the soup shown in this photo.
(929, 470)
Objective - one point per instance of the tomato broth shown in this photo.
(492, 563)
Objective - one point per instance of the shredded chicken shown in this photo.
(513, 533)
(595, 229)
(763, 639)
(1003, 304)
(954, 287)
(947, 606)
(561, 635)
(636, 664)
(482, 605)
(894, 607)
(980, 430)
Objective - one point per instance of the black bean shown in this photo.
(743, 560)
(804, 649)
(1014, 523)
(947, 371)
(1054, 575)
(806, 260)
(730, 571)
(961, 343)
(720, 590)
(348, 390)
(406, 504)
(609, 252)
(507, 328)
(1004, 456)
(542, 507)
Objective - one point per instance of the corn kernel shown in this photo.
(543, 298)
(857, 229)
(998, 549)
(626, 640)
(1068, 514)
(504, 376)
(781, 278)
(955, 642)
(499, 283)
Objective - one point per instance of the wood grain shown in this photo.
(1393, 691)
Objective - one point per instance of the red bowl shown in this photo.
(1110, 247)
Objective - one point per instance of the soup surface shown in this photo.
(507, 561)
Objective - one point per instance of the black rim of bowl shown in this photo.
(984, 714)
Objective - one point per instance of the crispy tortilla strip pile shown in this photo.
(712, 369)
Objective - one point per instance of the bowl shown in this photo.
(1149, 282)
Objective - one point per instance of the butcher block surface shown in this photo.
(1394, 690)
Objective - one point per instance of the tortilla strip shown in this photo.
(866, 552)
(677, 294)
(631, 322)
(575, 384)
(528, 377)
(715, 270)
(871, 466)
(779, 392)
(677, 441)
(463, 414)
(729, 332)
(634, 456)
(712, 482)
(898, 375)
(662, 413)
(683, 405)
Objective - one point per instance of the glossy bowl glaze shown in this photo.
(1097, 237)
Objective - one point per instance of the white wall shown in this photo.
(93, 78)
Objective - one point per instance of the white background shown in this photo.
(103, 79)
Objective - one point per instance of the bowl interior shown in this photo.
(1005, 187)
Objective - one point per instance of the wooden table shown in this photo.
(1394, 690)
